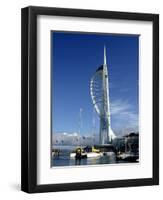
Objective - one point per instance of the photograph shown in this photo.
(89, 99)
(94, 99)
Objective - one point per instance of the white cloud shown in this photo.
(125, 117)
(65, 138)
(119, 106)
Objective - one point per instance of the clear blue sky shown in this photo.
(75, 58)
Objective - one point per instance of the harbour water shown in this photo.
(64, 158)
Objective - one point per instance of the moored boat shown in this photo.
(85, 152)
(128, 156)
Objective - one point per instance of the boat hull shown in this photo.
(86, 155)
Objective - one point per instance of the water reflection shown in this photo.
(64, 159)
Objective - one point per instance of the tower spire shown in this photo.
(104, 55)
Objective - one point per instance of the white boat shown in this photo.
(93, 155)
(128, 156)
(72, 155)
(87, 152)
(87, 155)
(83, 155)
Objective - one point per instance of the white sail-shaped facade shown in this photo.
(99, 89)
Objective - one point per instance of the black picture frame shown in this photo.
(29, 99)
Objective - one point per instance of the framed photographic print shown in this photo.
(90, 99)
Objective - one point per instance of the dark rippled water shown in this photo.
(65, 160)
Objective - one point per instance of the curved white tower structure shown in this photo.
(99, 89)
